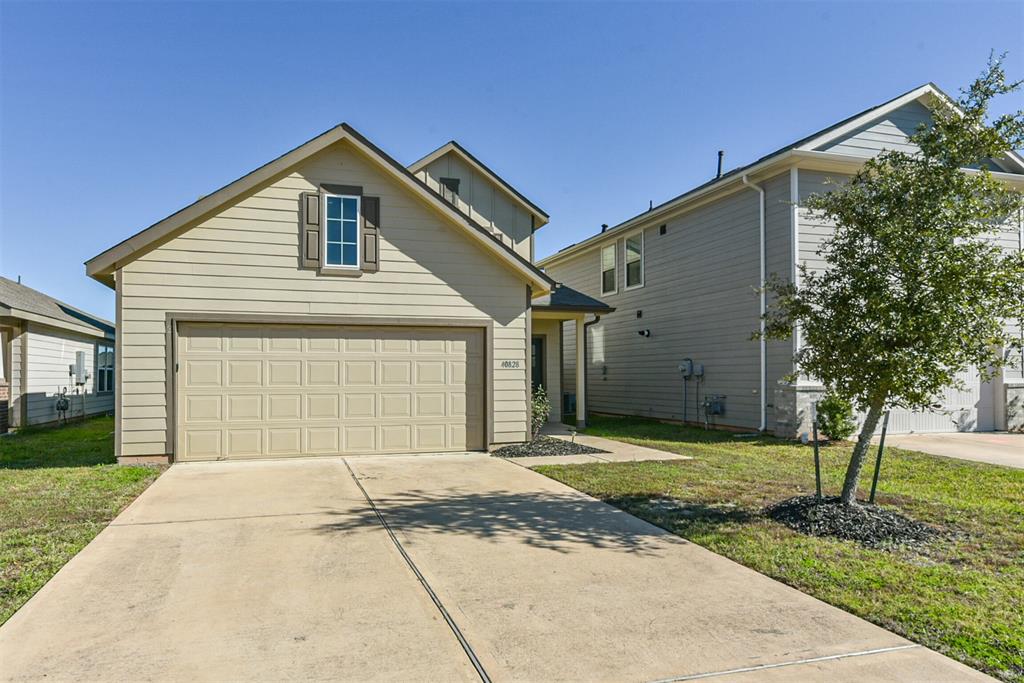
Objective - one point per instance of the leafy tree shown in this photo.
(915, 290)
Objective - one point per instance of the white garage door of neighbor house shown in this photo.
(971, 409)
(251, 391)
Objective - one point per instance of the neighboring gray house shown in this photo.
(40, 338)
(683, 277)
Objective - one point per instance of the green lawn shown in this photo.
(962, 595)
(58, 488)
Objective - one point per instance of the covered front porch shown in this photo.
(563, 305)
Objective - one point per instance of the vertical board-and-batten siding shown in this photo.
(245, 260)
(699, 301)
(50, 351)
(483, 201)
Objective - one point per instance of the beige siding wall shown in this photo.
(779, 262)
(698, 301)
(50, 351)
(483, 201)
(550, 330)
(245, 260)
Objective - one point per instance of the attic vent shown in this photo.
(451, 185)
(662, 230)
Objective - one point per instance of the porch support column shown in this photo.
(581, 374)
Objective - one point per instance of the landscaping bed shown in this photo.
(544, 445)
(58, 488)
(942, 563)
(873, 526)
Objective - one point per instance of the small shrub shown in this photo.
(540, 409)
(836, 418)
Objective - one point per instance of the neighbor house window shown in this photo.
(341, 238)
(104, 368)
(608, 274)
(635, 260)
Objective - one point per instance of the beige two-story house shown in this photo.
(336, 302)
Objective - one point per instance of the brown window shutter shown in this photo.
(371, 235)
(310, 233)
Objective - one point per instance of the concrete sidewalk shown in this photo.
(615, 451)
(994, 448)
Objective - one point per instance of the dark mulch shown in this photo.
(870, 525)
(544, 445)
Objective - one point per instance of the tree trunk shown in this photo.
(860, 452)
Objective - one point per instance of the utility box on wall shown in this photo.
(715, 404)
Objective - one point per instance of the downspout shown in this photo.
(586, 375)
(764, 343)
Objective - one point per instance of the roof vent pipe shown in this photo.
(721, 157)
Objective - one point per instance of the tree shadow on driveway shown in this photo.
(561, 522)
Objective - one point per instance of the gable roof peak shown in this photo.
(102, 266)
(453, 146)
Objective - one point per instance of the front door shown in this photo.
(537, 362)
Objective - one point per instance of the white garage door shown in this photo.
(971, 409)
(250, 391)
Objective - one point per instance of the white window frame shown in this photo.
(625, 262)
(601, 269)
(98, 369)
(359, 232)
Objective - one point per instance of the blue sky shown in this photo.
(114, 115)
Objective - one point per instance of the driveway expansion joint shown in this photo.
(795, 662)
(466, 647)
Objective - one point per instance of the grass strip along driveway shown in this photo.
(58, 488)
(962, 594)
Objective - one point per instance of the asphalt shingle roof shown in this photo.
(564, 298)
(21, 298)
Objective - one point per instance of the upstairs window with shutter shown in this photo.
(609, 275)
(341, 236)
(339, 231)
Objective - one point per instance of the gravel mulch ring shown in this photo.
(870, 525)
(545, 445)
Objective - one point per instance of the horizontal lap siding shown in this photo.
(245, 260)
(698, 301)
(50, 352)
(779, 262)
(1009, 238)
(889, 132)
(814, 228)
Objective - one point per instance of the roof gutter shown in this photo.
(763, 302)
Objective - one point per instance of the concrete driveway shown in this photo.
(995, 448)
(285, 570)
